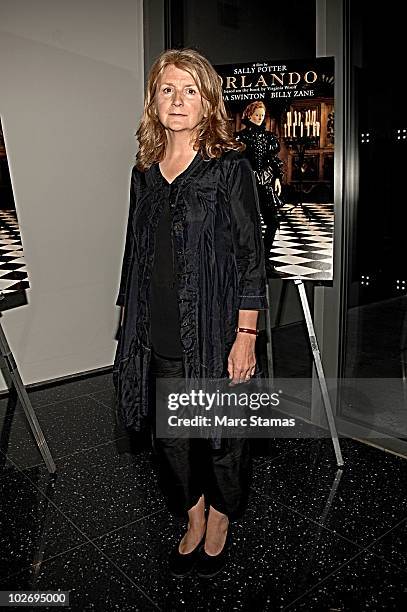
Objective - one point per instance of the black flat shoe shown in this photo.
(210, 565)
(181, 565)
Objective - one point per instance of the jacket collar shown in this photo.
(155, 179)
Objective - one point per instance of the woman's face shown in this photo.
(178, 100)
(258, 116)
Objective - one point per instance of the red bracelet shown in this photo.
(247, 330)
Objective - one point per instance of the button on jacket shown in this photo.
(219, 263)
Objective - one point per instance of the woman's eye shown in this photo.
(191, 91)
(167, 90)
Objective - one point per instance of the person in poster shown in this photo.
(262, 148)
(193, 249)
(293, 102)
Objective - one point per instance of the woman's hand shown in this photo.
(121, 315)
(242, 358)
(277, 187)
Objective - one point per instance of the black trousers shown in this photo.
(190, 467)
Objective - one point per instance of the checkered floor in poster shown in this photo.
(13, 272)
(303, 246)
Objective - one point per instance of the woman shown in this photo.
(193, 273)
(262, 149)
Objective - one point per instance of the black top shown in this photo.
(262, 148)
(165, 336)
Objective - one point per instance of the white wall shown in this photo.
(71, 92)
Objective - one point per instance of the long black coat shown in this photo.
(219, 262)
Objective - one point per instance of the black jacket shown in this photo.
(219, 262)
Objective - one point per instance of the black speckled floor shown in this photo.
(311, 539)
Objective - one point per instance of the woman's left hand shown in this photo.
(242, 358)
(277, 186)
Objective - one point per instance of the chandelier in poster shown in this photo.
(283, 111)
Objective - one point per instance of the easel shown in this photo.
(25, 401)
(7, 300)
(317, 361)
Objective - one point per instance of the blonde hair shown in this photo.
(214, 133)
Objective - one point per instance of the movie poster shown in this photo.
(284, 113)
(13, 271)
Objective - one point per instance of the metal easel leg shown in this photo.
(269, 345)
(25, 402)
(320, 371)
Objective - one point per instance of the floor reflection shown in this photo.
(101, 529)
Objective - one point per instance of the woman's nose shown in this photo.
(177, 98)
